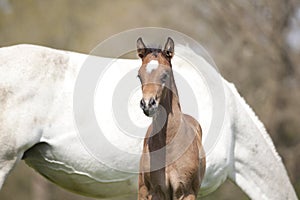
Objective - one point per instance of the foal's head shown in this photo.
(155, 74)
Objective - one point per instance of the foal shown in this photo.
(173, 162)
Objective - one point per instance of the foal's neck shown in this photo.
(168, 117)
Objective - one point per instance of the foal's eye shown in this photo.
(164, 77)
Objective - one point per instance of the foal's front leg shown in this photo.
(186, 190)
(143, 193)
(184, 197)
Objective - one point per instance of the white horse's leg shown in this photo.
(12, 148)
(257, 167)
(8, 156)
(6, 165)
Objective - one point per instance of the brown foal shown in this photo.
(172, 165)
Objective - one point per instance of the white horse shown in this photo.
(37, 124)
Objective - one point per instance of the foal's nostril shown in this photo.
(143, 104)
(152, 102)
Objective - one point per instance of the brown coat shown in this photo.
(172, 165)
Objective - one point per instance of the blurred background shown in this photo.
(255, 44)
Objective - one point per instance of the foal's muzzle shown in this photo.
(148, 106)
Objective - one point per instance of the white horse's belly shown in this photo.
(72, 167)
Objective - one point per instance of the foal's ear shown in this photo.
(141, 48)
(169, 48)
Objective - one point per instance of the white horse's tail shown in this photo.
(257, 168)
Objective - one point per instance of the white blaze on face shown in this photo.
(152, 65)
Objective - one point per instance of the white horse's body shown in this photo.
(37, 124)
